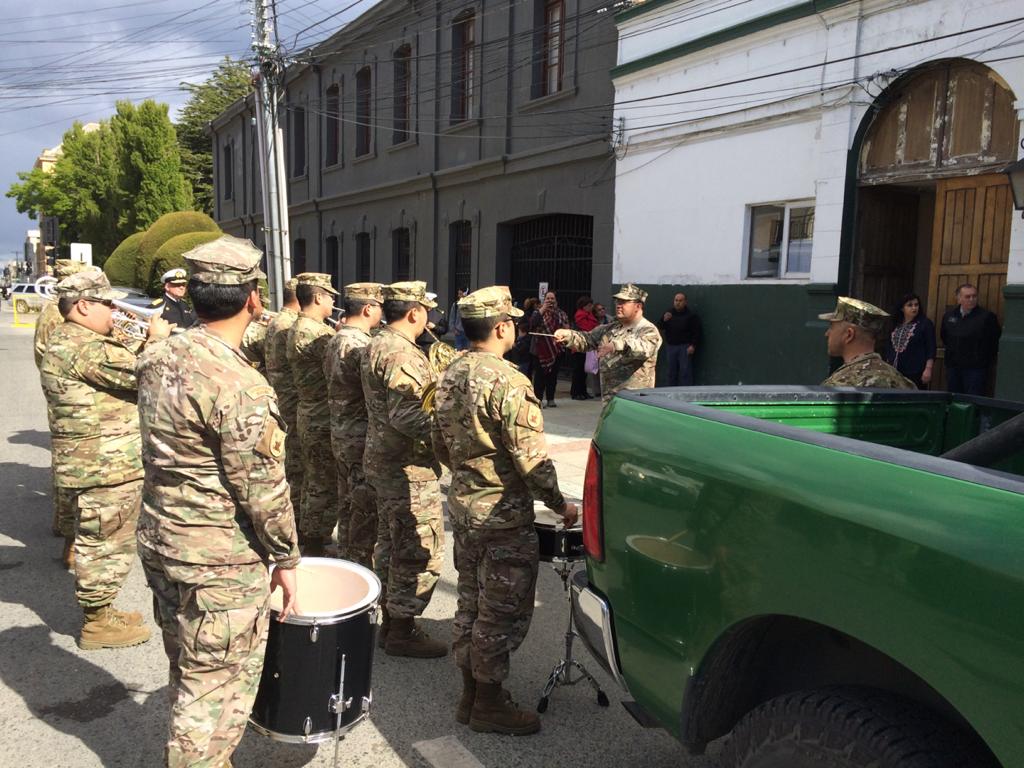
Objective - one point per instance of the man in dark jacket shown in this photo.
(681, 328)
(971, 335)
(176, 311)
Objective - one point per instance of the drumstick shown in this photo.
(549, 335)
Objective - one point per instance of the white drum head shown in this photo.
(329, 588)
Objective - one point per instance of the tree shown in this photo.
(150, 180)
(229, 83)
(81, 190)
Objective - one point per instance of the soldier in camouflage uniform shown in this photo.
(488, 428)
(215, 507)
(357, 505)
(627, 347)
(279, 374)
(852, 330)
(89, 382)
(254, 345)
(402, 469)
(307, 350)
(63, 516)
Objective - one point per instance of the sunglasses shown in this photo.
(105, 302)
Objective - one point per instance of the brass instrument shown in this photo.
(133, 321)
(440, 355)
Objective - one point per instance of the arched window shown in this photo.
(402, 104)
(401, 255)
(463, 47)
(364, 262)
(332, 121)
(364, 98)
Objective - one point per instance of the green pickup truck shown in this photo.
(802, 570)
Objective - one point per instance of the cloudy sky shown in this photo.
(67, 60)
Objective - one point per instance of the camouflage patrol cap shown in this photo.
(87, 284)
(365, 292)
(225, 261)
(492, 301)
(291, 284)
(859, 313)
(410, 290)
(66, 267)
(630, 292)
(317, 280)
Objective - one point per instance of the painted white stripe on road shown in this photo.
(446, 752)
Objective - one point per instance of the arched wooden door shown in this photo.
(933, 211)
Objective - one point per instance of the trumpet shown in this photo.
(133, 321)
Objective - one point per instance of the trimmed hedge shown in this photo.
(167, 226)
(168, 256)
(121, 264)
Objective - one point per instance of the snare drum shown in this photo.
(316, 674)
(557, 544)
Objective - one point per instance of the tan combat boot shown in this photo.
(131, 618)
(495, 712)
(385, 627)
(406, 639)
(67, 557)
(465, 707)
(105, 628)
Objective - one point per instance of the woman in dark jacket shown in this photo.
(911, 347)
(585, 321)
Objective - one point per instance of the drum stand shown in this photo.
(562, 672)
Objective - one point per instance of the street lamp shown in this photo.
(1015, 172)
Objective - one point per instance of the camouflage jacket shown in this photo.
(213, 446)
(48, 320)
(279, 370)
(345, 353)
(395, 373)
(307, 348)
(632, 364)
(868, 370)
(489, 429)
(254, 346)
(89, 383)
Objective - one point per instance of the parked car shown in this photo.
(26, 298)
(800, 570)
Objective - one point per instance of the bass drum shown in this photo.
(317, 669)
(555, 543)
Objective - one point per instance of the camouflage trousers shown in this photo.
(214, 620)
(496, 586)
(412, 512)
(105, 521)
(64, 511)
(319, 509)
(293, 463)
(357, 515)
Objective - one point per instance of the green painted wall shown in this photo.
(771, 334)
(754, 334)
(1010, 372)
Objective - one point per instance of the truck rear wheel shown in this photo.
(849, 727)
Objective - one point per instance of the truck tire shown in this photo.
(849, 727)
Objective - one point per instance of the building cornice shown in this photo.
(784, 16)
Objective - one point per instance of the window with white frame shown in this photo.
(781, 238)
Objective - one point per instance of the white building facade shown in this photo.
(774, 154)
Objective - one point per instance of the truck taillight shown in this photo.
(593, 525)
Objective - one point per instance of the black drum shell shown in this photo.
(555, 544)
(300, 675)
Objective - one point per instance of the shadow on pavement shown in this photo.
(77, 698)
(30, 437)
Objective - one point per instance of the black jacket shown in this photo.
(971, 341)
(177, 312)
(682, 328)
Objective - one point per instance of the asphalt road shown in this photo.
(60, 706)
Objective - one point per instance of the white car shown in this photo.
(26, 298)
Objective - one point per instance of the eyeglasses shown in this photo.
(105, 302)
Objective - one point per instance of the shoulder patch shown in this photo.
(529, 416)
(259, 391)
(271, 442)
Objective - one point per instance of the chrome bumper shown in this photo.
(593, 621)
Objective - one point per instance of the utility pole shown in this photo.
(267, 78)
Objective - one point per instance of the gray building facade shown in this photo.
(461, 143)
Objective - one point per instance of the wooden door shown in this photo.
(970, 244)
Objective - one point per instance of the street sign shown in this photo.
(82, 252)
